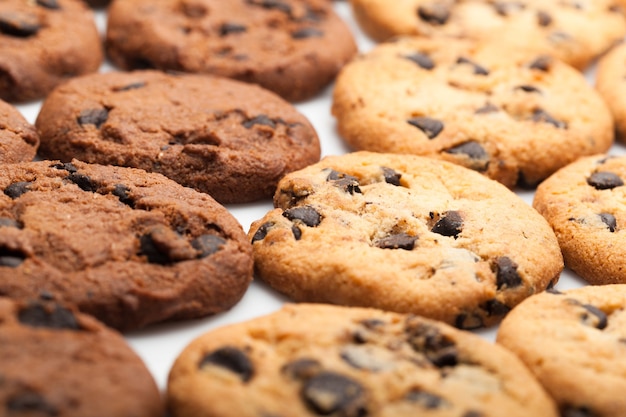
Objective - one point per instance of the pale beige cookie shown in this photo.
(573, 31)
(316, 360)
(407, 234)
(575, 344)
(514, 117)
(585, 205)
(611, 83)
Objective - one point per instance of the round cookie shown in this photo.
(43, 43)
(129, 247)
(584, 204)
(226, 138)
(573, 31)
(404, 233)
(574, 343)
(504, 113)
(313, 360)
(56, 362)
(18, 138)
(291, 47)
(611, 83)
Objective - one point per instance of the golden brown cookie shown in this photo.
(611, 83)
(18, 138)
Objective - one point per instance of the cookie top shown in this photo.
(18, 138)
(575, 344)
(573, 31)
(226, 138)
(507, 114)
(611, 83)
(407, 234)
(126, 246)
(42, 44)
(292, 47)
(584, 204)
(312, 360)
(56, 362)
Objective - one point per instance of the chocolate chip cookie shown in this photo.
(314, 360)
(129, 247)
(292, 47)
(573, 31)
(611, 83)
(505, 113)
(575, 344)
(407, 234)
(56, 362)
(43, 43)
(230, 139)
(18, 138)
(584, 204)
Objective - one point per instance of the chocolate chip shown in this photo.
(123, 193)
(365, 357)
(487, 108)
(478, 70)
(329, 393)
(232, 359)
(594, 317)
(297, 233)
(609, 220)
(397, 241)
(272, 4)
(543, 18)
(262, 231)
(230, 28)
(13, 25)
(95, 117)
(83, 181)
(494, 307)
(506, 273)
(17, 189)
(468, 321)
(37, 315)
(68, 166)
(528, 89)
(423, 60)
(542, 63)
(525, 183)
(504, 8)
(8, 222)
(347, 183)
(128, 87)
(433, 13)
(391, 177)
(425, 399)
(11, 258)
(472, 149)
(431, 127)
(540, 115)
(439, 349)
(28, 402)
(604, 180)
(49, 4)
(576, 411)
(305, 33)
(306, 214)
(207, 244)
(451, 224)
(302, 369)
(259, 120)
(151, 251)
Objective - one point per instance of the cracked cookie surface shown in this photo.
(18, 138)
(404, 233)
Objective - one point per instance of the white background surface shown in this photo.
(159, 345)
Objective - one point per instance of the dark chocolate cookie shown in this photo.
(18, 138)
(292, 47)
(223, 137)
(42, 44)
(57, 362)
(126, 246)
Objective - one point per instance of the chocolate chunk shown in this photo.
(329, 393)
(542, 63)
(540, 115)
(230, 28)
(151, 251)
(609, 220)
(472, 149)
(433, 13)
(128, 87)
(8, 222)
(37, 315)
(543, 18)
(272, 4)
(28, 402)
(594, 317)
(451, 224)
(11, 258)
(83, 181)
(487, 108)
(305, 33)
(528, 89)
(397, 241)
(14, 25)
(423, 60)
(425, 399)
(68, 166)
(306, 214)
(232, 359)
(17, 189)
(468, 321)
(431, 127)
(348, 183)
(478, 70)
(494, 307)
(259, 120)
(439, 349)
(576, 411)
(504, 8)
(207, 244)
(262, 231)
(302, 369)
(123, 193)
(604, 180)
(506, 273)
(49, 4)
(95, 117)
(391, 177)
(297, 233)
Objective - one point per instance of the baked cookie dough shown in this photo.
(314, 360)
(18, 138)
(128, 247)
(611, 83)
(407, 234)
(515, 117)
